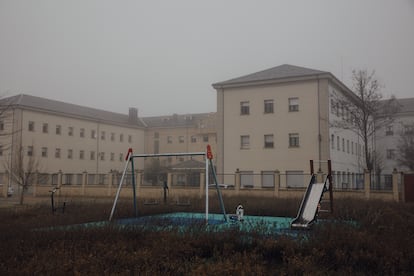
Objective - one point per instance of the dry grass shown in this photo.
(380, 242)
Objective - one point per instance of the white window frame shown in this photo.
(268, 106)
(244, 141)
(269, 141)
(294, 141)
(244, 108)
(294, 104)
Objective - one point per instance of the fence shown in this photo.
(267, 183)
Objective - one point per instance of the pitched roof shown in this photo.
(406, 106)
(177, 120)
(71, 110)
(284, 71)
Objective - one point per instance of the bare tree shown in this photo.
(368, 114)
(405, 148)
(23, 171)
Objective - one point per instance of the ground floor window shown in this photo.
(246, 179)
(295, 179)
(268, 179)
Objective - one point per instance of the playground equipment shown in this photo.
(313, 198)
(52, 201)
(208, 157)
(309, 208)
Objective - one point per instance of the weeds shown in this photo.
(379, 242)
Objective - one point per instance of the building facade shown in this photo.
(389, 137)
(66, 137)
(73, 139)
(268, 125)
(279, 119)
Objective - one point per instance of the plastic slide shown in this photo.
(309, 206)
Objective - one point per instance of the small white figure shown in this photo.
(240, 212)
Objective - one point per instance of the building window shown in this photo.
(31, 126)
(244, 141)
(70, 153)
(1, 125)
(181, 139)
(295, 179)
(293, 140)
(408, 130)
(156, 146)
(347, 117)
(332, 141)
(70, 131)
(68, 179)
(44, 152)
(81, 154)
(343, 144)
(268, 179)
(102, 156)
(45, 128)
(338, 143)
(388, 181)
(30, 151)
(58, 130)
(82, 132)
(93, 134)
(193, 139)
(205, 138)
(347, 146)
(121, 137)
(92, 155)
(352, 147)
(57, 153)
(268, 141)
(244, 108)
(293, 104)
(112, 156)
(112, 136)
(246, 179)
(1, 150)
(121, 157)
(103, 134)
(169, 139)
(333, 106)
(130, 139)
(390, 154)
(389, 131)
(268, 106)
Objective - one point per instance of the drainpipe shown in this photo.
(97, 148)
(319, 126)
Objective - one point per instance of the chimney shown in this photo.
(133, 115)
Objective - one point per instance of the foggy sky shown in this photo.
(163, 56)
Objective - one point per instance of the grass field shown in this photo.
(381, 241)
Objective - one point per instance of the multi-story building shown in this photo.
(279, 119)
(66, 137)
(180, 133)
(274, 120)
(74, 139)
(388, 138)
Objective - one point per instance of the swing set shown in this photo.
(208, 158)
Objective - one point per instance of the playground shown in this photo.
(243, 235)
(311, 205)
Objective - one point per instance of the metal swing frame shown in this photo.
(208, 156)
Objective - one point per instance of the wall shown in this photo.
(280, 124)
